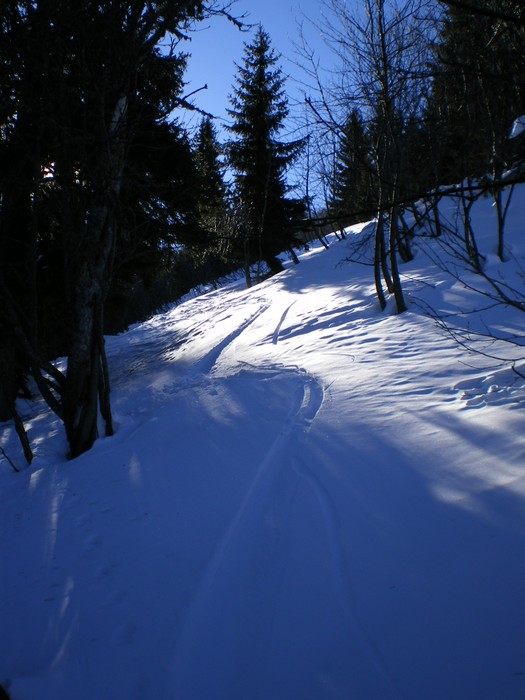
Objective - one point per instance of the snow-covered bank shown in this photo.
(306, 499)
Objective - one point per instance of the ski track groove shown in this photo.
(254, 551)
(251, 556)
(341, 573)
(207, 363)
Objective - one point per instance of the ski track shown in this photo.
(342, 575)
(247, 568)
(206, 364)
(252, 556)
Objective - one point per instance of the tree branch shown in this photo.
(473, 9)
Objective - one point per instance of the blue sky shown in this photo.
(217, 48)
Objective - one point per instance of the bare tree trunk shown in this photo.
(86, 355)
(501, 211)
(403, 238)
(378, 255)
(396, 280)
(87, 384)
(436, 215)
(293, 255)
(22, 436)
(321, 239)
(380, 237)
(471, 247)
(83, 374)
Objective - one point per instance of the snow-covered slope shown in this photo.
(305, 499)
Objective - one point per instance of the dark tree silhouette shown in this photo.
(260, 159)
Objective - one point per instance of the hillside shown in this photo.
(305, 499)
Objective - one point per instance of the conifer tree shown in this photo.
(259, 158)
(477, 90)
(86, 95)
(352, 188)
(211, 204)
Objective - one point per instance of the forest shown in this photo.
(111, 207)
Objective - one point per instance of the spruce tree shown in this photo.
(211, 205)
(352, 197)
(477, 90)
(260, 159)
(86, 94)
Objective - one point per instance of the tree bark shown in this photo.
(87, 384)
(86, 352)
(378, 254)
(394, 266)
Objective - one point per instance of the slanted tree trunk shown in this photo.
(293, 255)
(379, 246)
(321, 238)
(394, 266)
(87, 354)
(436, 216)
(403, 238)
(471, 247)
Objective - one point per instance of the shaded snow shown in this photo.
(518, 127)
(306, 499)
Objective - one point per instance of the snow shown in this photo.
(305, 499)
(518, 127)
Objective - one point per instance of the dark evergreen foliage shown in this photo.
(211, 187)
(212, 199)
(354, 195)
(96, 186)
(478, 90)
(260, 160)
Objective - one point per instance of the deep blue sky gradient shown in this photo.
(217, 48)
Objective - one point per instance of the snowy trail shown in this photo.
(226, 626)
(206, 364)
(370, 653)
(223, 628)
(228, 647)
(305, 499)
